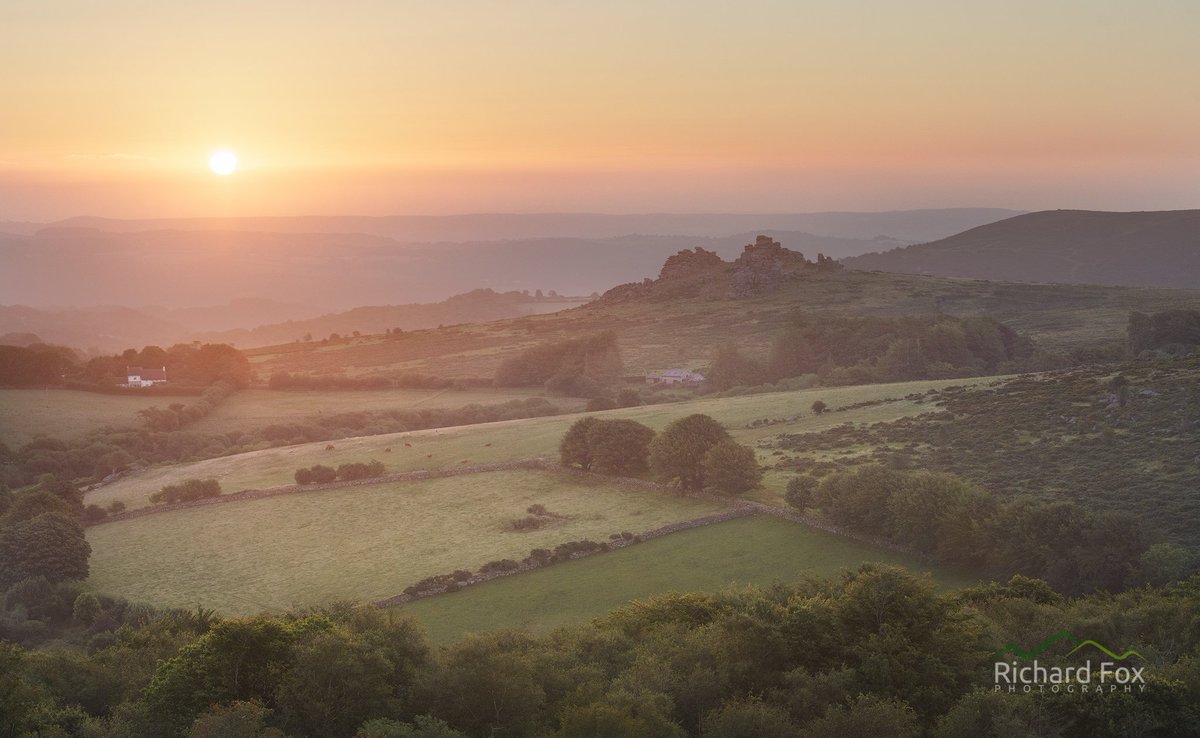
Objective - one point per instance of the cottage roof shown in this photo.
(148, 374)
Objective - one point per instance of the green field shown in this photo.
(259, 408)
(443, 448)
(359, 543)
(757, 550)
(26, 413)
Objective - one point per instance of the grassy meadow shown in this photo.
(359, 543)
(746, 551)
(27, 413)
(442, 448)
(58, 413)
(255, 408)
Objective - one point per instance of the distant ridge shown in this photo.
(338, 263)
(1153, 249)
(902, 225)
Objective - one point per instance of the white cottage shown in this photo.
(136, 376)
(675, 376)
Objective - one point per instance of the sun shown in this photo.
(223, 162)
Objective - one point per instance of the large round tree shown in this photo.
(731, 468)
(574, 449)
(620, 446)
(607, 446)
(50, 545)
(678, 452)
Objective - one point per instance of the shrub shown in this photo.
(192, 489)
(529, 522)
(498, 566)
(731, 468)
(629, 398)
(539, 556)
(359, 470)
(317, 474)
(322, 474)
(609, 446)
(679, 451)
(800, 492)
(599, 403)
(565, 551)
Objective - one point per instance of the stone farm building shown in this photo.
(675, 376)
(135, 376)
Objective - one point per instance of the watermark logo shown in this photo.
(1025, 673)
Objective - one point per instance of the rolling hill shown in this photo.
(326, 272)
(248, 323)
(905, 225)
(1159, 249)
(700, 301)
(384, 536)
(338, 263)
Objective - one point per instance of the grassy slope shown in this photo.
(1150, 248)
(25, 413)
(358, 543)
(682, 331)
(372, 542)
(259, 408)
(520, 439)
(739, 552)
(1056, 436)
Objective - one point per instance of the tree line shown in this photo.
(859, 350)
(96, 454)
(946, 519)
(41, 536)
(1174, 331)
(872, 652)
(191, 365)
(580, 367)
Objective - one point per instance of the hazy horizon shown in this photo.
(378, 108)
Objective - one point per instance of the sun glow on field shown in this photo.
(223, 162)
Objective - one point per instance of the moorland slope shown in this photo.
(700, 301)
(1159, 249)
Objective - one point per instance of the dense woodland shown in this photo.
(861, 350)
(188, 365)
(874, 652)
(579, 366)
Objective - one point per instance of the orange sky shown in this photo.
(377, 107)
